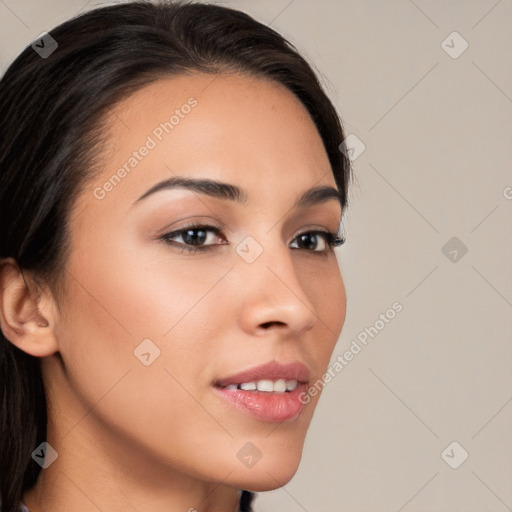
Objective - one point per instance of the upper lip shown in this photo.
(269, 371)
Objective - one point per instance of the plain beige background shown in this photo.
(432, 110)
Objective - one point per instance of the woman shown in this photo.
(171, 194)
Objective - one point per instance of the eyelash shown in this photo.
(331, 239)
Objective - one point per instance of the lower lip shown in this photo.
(273, 407)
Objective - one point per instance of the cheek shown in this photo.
(143, 290)
(120, 298)
(325, 290)
(106, 319)
(150, 328)
(335, 303)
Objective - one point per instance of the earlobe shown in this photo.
(27, 318)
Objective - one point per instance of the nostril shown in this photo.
(268, 324)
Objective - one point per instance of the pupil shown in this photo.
(312, 238)
(195, 240)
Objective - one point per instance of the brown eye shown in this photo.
(309, 240)
(194, 237)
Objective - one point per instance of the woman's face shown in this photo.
(146, 328)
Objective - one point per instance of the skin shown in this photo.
(133, 437)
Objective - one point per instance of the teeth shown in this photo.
(265, 385)
(280, 386)
(248, 386)
(269, 386)
(291, 385)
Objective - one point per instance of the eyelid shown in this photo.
(195, 221)
(221, 228)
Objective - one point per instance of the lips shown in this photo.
(264, 404)
(270, 371)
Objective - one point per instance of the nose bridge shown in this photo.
(273, 290)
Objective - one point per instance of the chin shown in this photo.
(269, 475)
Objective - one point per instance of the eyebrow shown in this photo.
(226, 191)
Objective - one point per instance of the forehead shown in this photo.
(235, 128)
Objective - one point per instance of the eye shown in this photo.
(308, 239)
(194, 238)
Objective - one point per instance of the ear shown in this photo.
(27, 314)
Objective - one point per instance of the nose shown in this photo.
(271, 294)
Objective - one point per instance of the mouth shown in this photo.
(271, 392)
(265, 386)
